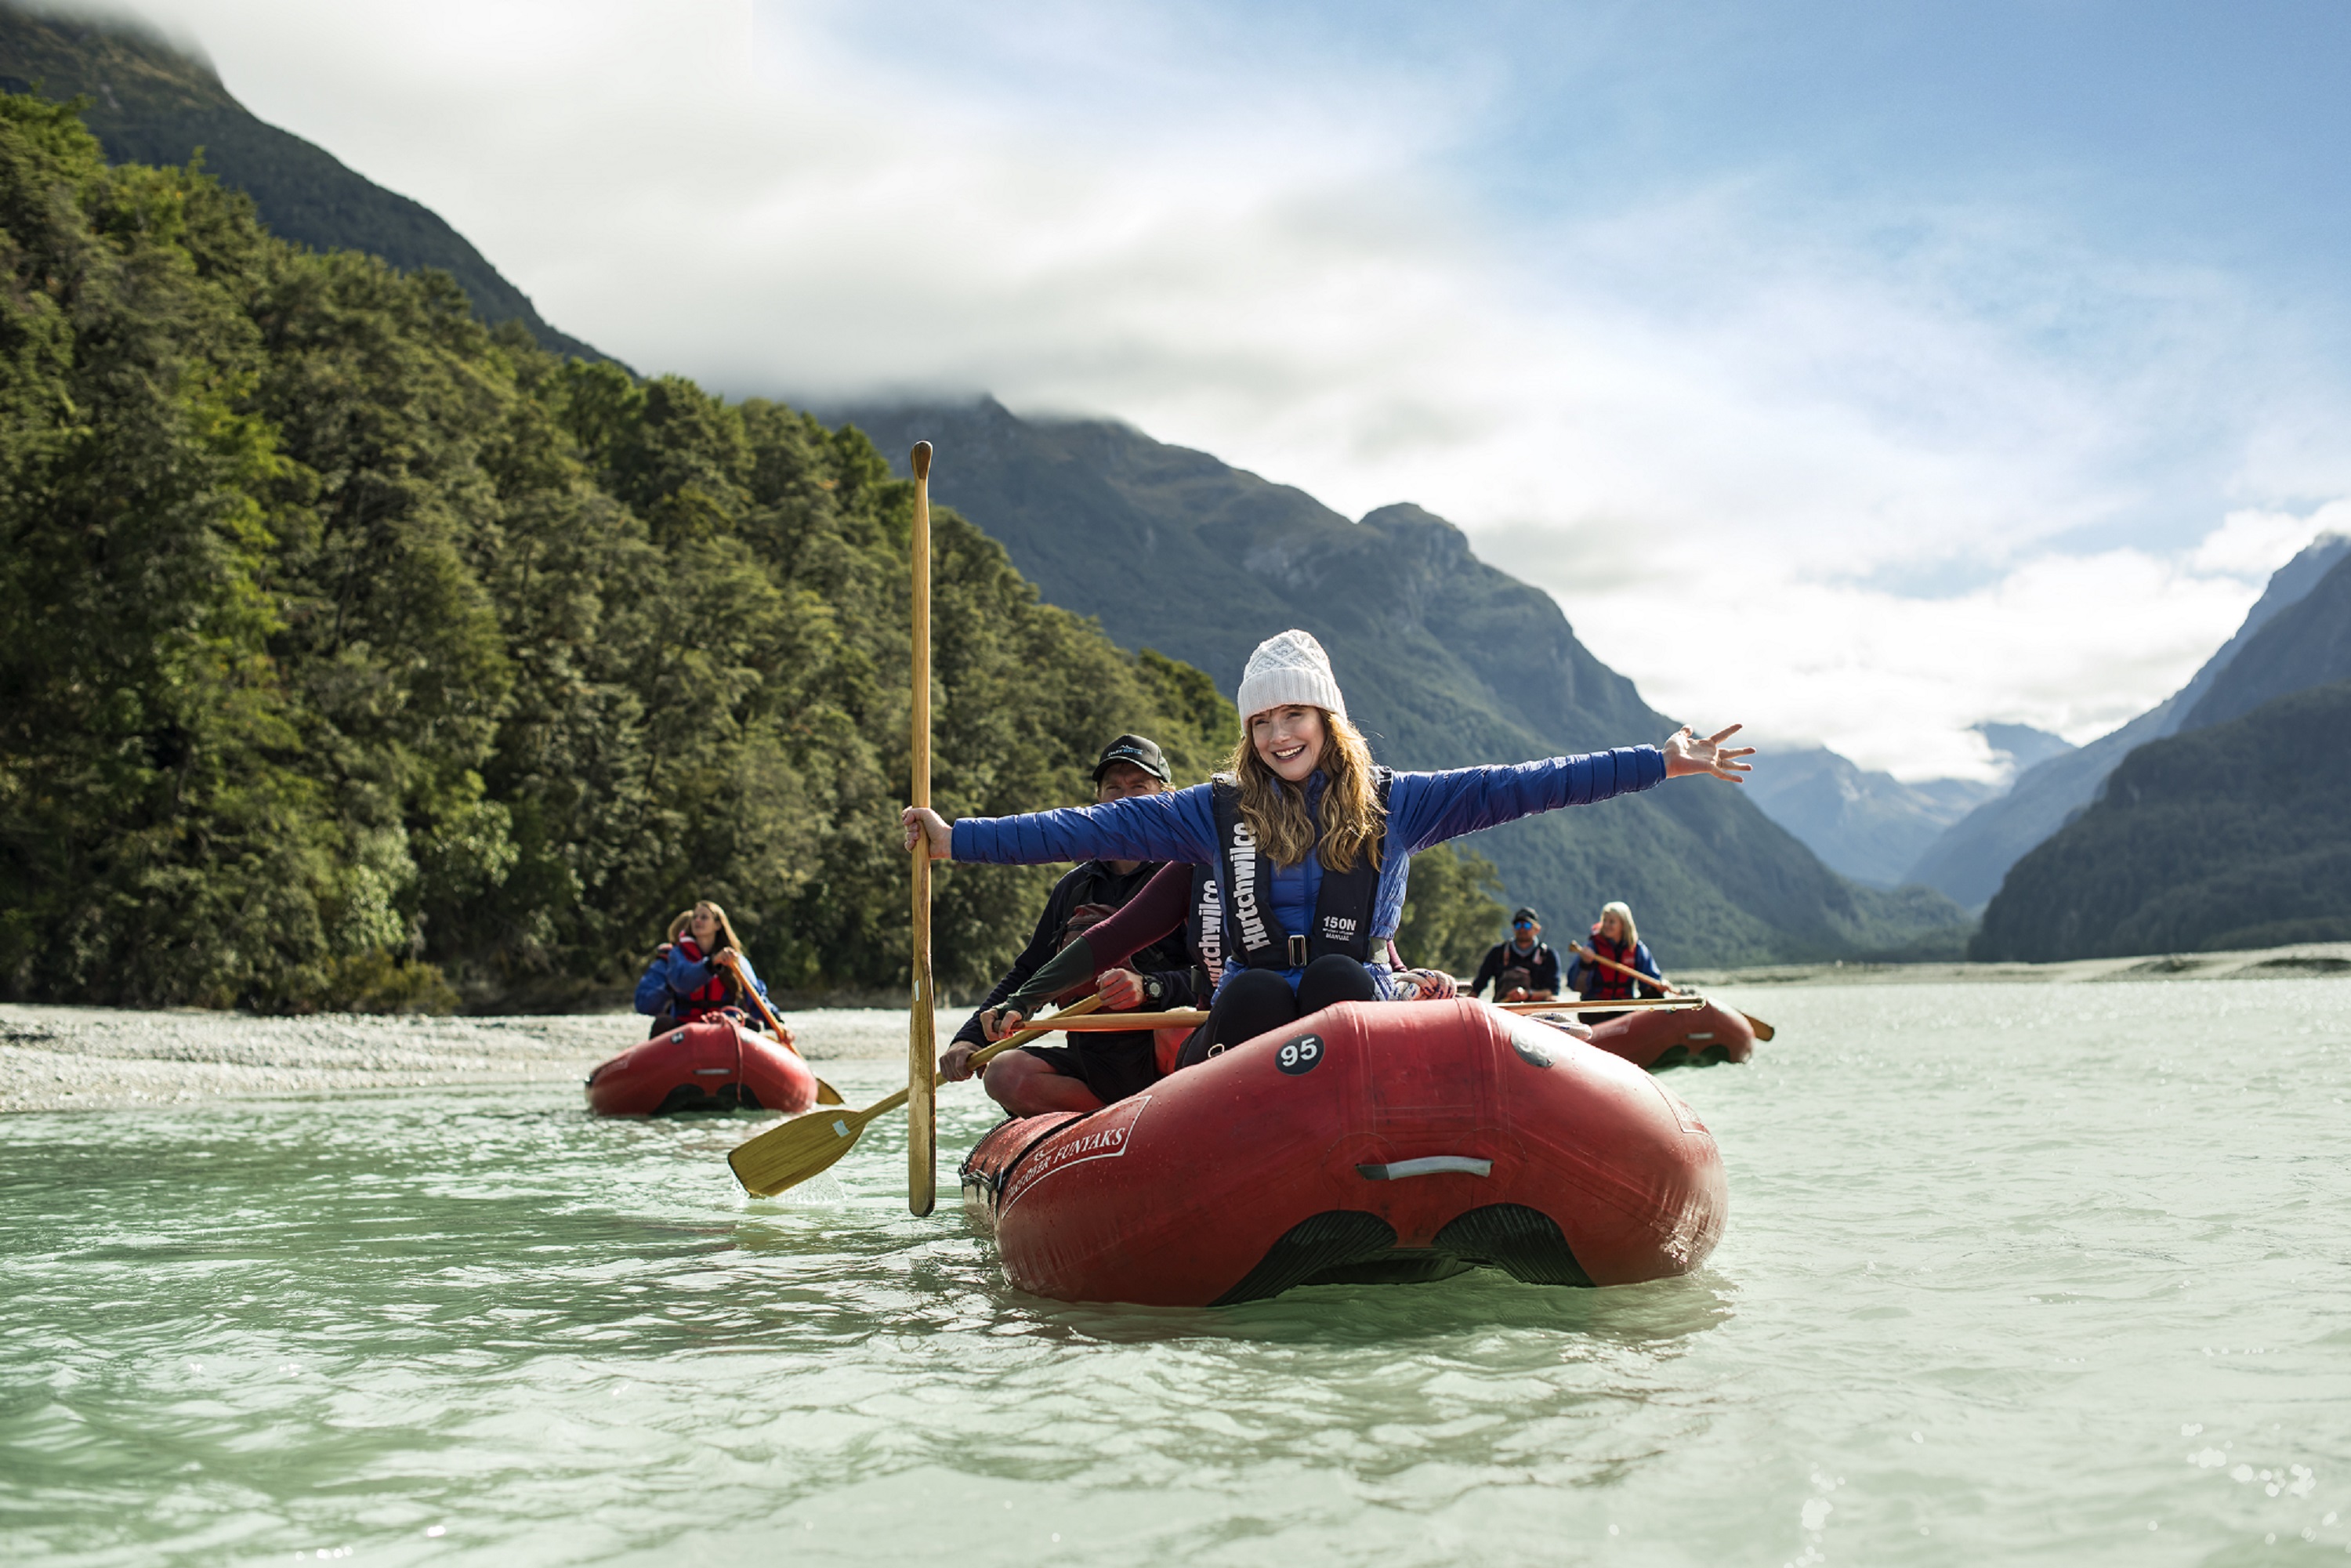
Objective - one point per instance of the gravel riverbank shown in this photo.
(99, 1059)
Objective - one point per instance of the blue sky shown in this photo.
(1862, 371)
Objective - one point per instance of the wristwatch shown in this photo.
(1155, 990)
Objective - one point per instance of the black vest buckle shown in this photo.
(1297, 952)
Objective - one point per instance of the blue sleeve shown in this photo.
(1574, 981)
(1643, 961)
(1177, 827)
(1426, 808)
(652, 989)
(686, 974)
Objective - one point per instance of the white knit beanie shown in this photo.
(1291, 668)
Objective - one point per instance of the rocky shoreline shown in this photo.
(2304, 961)
(105, 1058)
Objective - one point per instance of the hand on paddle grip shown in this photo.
(920, 821)
(955, 1062)
(998, 1022)
(1121, 990)
(1687, 753)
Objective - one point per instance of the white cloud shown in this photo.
(1869, 478)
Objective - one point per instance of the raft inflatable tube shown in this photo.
(1698, 1037)
(1370, 1143)
(708, 1066)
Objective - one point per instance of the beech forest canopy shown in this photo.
(359, 655)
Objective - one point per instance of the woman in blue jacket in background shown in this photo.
(700, 972)
(1311, 841)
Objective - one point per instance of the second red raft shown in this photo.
(1372, 1142)
(1674, 1037)
(708, 1066)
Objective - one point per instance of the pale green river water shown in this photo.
(2014, 1273)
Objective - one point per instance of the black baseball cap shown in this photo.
(1526, 913)
(1135, 749)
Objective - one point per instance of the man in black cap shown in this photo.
(1524, 969)
(1092, 1069)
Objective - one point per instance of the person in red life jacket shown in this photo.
(1090, 1070)
(1524, 969)
(1614, 938)
(1310, 839)
(707, 973)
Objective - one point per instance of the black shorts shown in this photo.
(1113, 1066)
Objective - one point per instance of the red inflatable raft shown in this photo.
(708, 1066)
(1370, 1143)
(1698, 1036)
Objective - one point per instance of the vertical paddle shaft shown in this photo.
(922, 1046)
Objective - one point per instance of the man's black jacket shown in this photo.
(1092, 882)
(1542, 966)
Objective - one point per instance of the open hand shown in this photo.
(1687, 753)
(920, 821)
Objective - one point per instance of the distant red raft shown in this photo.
(1383, 1142)
(1698, 1036)
(707, 1066)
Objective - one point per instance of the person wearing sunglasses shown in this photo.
(1521, 968)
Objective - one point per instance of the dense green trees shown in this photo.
(353, 651)
(1454, 912)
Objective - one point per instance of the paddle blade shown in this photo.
(1763, 1031)
(784, 1157)
(826, 1094)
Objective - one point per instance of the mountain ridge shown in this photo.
(2233, 835)
(1447, 661)
(153, 101)
(1971, 857)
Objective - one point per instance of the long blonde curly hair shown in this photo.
(1275, 810)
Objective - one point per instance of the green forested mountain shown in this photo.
(350, 644)
(1446, 660)
(149, 102)
(2306, 644)
(1974, 854)
(2236, 835)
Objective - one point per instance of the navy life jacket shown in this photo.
(1342, 907)
(1204, 934)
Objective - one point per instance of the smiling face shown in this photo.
(706, 927)
(1611, 928)
(1288, 740)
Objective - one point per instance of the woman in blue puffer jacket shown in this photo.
(1312, 842)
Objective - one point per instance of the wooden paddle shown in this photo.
(1191, 1017)
(1763, 1031)
(787, 1155)
(921, 1031)
(826, 1094)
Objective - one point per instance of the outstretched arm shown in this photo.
(1177, 827)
